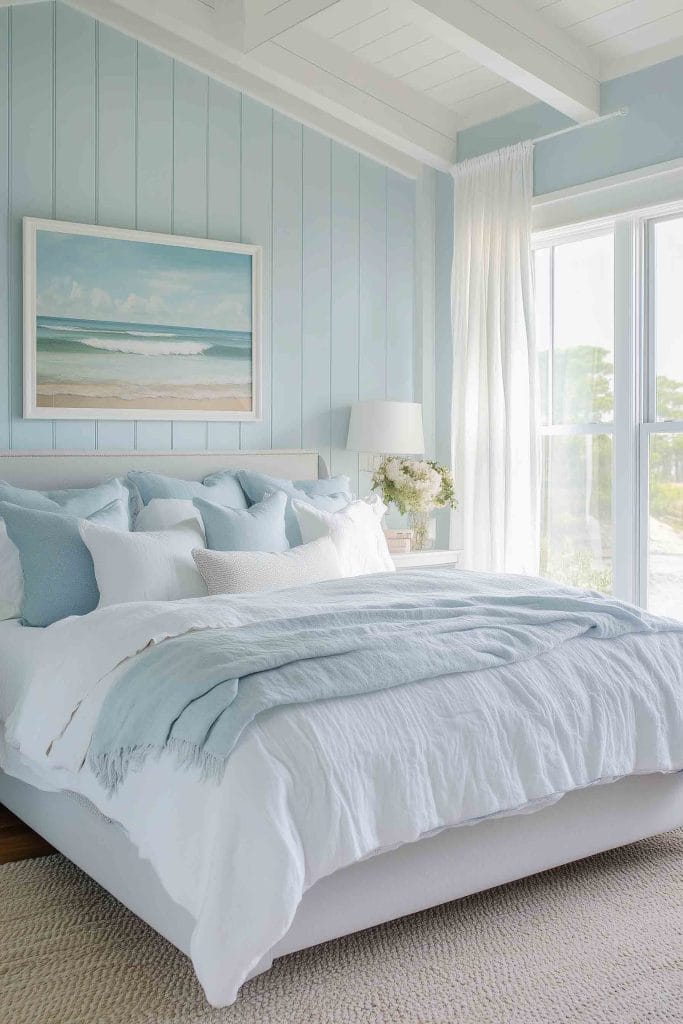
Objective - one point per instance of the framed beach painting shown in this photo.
(125, 324)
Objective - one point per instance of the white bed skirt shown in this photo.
(434, 870)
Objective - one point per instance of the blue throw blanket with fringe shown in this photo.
(195, 694)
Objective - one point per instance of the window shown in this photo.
(664, 411)
(609, 330)
(575, 338)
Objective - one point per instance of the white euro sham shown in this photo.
(356, 532)
(149, 566)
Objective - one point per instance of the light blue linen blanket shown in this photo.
(195, 694)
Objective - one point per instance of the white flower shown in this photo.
(411, 484)
(392, 470)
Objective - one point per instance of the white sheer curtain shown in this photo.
(494, 370)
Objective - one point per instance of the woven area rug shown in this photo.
(598, 942)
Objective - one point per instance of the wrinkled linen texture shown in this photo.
(310, 788)
(196, 694)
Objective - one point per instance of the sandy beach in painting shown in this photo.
(186, 404)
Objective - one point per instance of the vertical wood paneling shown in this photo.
(97, 127)
(287, 222)
(154, 178)
(372, 351)
(116, 149)
(31, 179)
(400, 287)
(316, 294)
(190, 92)
(74, 143)
(224, 186)
(190, 209)
(4, 231)
(154, 181)
(373, 280)
(74, 115)
(116, 128)
(345, 288)
(425, 278)
(257, 228)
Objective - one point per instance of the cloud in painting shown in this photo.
(86, 277)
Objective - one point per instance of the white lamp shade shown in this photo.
(386, 428)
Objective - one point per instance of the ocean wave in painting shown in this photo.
(146, 348)
(132, 364)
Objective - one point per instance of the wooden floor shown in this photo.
(17, 841)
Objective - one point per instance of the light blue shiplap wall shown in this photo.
(443, 354)
(96, 127)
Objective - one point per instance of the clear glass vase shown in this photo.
(419, 522)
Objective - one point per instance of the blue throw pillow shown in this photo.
(222, 488)
(59, 577)
(259, 528)
(75, 501)
(331, 495)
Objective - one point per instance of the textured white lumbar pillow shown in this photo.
(153, 566)
(241, 572)
(164, 513)
(11, 577)
(356, 532)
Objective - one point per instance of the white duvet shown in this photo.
(312, 788)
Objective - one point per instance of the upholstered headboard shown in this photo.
(49, 470)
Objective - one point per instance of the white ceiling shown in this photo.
(616, 30)
(397, 44)
(394, 40)
(400, 78)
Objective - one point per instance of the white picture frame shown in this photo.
(49, 398)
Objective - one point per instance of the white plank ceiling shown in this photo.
(616, 30)
(383, 33)
(390, 37)
(400, 78)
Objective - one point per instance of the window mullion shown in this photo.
(625, 488)
(551, 341)
(647, 399)
(648, 368)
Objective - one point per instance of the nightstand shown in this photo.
(431, 559)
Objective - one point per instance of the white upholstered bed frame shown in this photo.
(433, 870)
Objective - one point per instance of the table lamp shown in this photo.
(386, 428)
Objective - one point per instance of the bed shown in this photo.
(146, 843)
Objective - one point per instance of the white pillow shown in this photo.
(241, 572)
(163, 513)
(355, 531)
(11, 577)
(144, 566)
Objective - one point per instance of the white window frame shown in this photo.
(560, 236)
(649, 425)
(635, 415)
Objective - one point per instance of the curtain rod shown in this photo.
(583, 124)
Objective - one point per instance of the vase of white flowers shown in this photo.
(416, 487)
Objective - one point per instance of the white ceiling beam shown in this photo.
(359, 122)
(520, 45)
(266, 19)
(353, 104)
